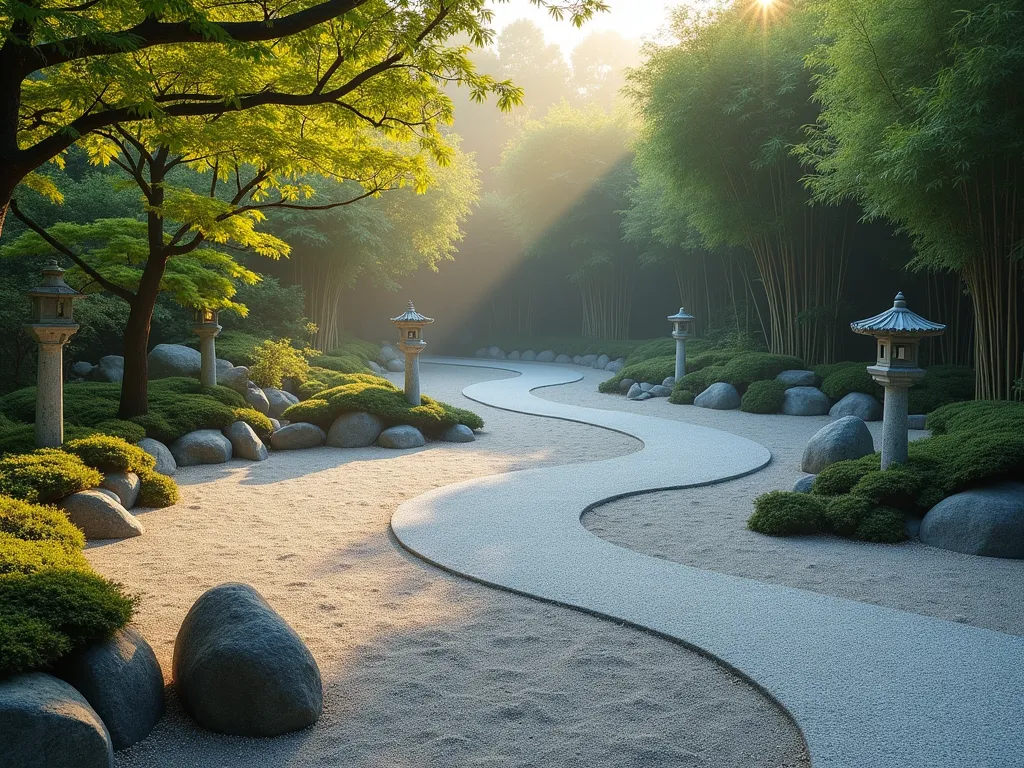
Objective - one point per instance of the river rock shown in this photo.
(82, 370)
(669, 382)
(354, 430)
(547, 356)
(858, 404)
(529, 356)
(240, 669)
(245, 443)
(625, 384)
(458, 433)
(577, 359)
(297, 436)
(122, 681)
(165, 463)
(257, 399)
(279, 401)
(99, 516)
(514, 354)
(646, 386)
(402, 436)
(587, 361)
(125, 485)
(109, 368)
(496, 353)
(917, 421)
(167, 360)
(601, 362)
(986, 521)
(563, 359)
(614, 366)
(845, 438)
(720, 396)
(235, 377)
(46, 723)
(795, 378)
(634, 391)
(805, 401)
(659, 390)
(396, 365)
(204, 446)
(804, 484)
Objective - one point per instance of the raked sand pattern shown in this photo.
(867, 685)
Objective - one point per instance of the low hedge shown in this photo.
(764, 396)
(740, 370)
(654, 371)
(376, 395)
(681, 397)
(783, 513)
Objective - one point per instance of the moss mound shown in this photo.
(764, 396)
(840, 379)
(46, 474)
(741, 370)
(372, 394)
(681, 397)
(784, 513)
(110, 454)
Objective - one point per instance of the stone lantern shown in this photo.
(410, 340)
(207, 328)
(52, 325)
(680, 331)
(898, 332)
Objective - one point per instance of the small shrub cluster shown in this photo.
(44, 475)
(275, 360)
(840, 379)
(764, 396)
(784, 513)
(33, 537)
(942, 385)
(373, 394)
(740, 370)
(681, 397)
(653, 370)
(236, 346)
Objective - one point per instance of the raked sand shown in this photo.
(706, 528)
(422, 669)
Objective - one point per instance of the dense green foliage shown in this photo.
(653, 370)
(46, 474)
(274, 360)
(840, 379)
(681, 397)
(740, 370)
(110, 454)
(783, 513)
(372, 394)
(33, 537)
(236, 346)
(764, 396)
(350, 356)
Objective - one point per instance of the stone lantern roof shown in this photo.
(412, 316)
(680, 316)
(898, 321)
(53, 284)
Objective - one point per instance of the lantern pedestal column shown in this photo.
(50, 383)
(680, 331)
(412, 370)
(208, 350)
(897, 386)
(680, 356)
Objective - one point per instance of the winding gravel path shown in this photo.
(867, 685)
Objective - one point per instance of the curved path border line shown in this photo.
(869, 687)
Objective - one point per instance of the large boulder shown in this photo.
(204, 446)
(279, 401)
(482, 352)
(256, 398)
(122, 681)
(720, 396)
(804, 484)
(240, 669)
(845, 438)
(577, 359)
(402, 436)
(514, 354)
(985, 521)
(625, 385)
(245, 443)
(858, 404)
(235, 377)
(588, 361)
(396, 366)
(563, 359)
(458, 433)
(389, 353)
(601, 362)
(82, 369)
(547, 356)
(614, 366)
(529, 356)
(917, 421)
(354, 430)
(297, 436)
(223, 366)
(375, 368)
(496, 353)
(165, 463)
(125, 485)
(805, 401)
(660, 390)
(167, 360)
(99, 516)
(634, 391)
(795, 378)
(109, 368)
(669, 381)
(46, 723)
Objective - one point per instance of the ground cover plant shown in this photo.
(741, 370)
(376, 395)
(973, 443)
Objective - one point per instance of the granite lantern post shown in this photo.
(207, 329)
(410, 340)
(680, 331)
(898, 332)
(52, 325)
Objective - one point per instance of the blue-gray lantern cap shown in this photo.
(680, 317)
(412, 316)
(898, 321)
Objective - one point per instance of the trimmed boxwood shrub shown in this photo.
(764, 396)
(741, 371)
(110, 454)
(50, 613)
(941, 385)
(785, 513)
(978, 416)
(383, 399)
(156, 490)
(46, 474)
(840, 379)
(681, 397)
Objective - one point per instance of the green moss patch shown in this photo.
(764, 396)
(784, 513)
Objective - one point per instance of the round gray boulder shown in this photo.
(109, 368)
(669, 382)
(122, 681)
(99, 516)
(82, 370)
(804, 484)
(529, 356)
(256, 398)
(805, 401)
(396, 365)
(577, 359)
(625, 384)
(402, 436)
(245, 443)
(721, 396)
(46, 723)
(165, 463)
(240, 669)
(985, 521)
(389, 353)
(495, 353)
(564, 359)
(858, 404)
(374, 368)
(845, 438)
(916, 421)
(354, 430)
(204, 446)
(614, 366)
(634, 391)
(514, 354)
(587, 361)
(297, 436)
(279, 401)
(482, 352)
(659, 390)
(458, 433)
(167, 360)
(126, 485)
(235, 377)
(601, 362)
(547, 356)
(795, 378)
